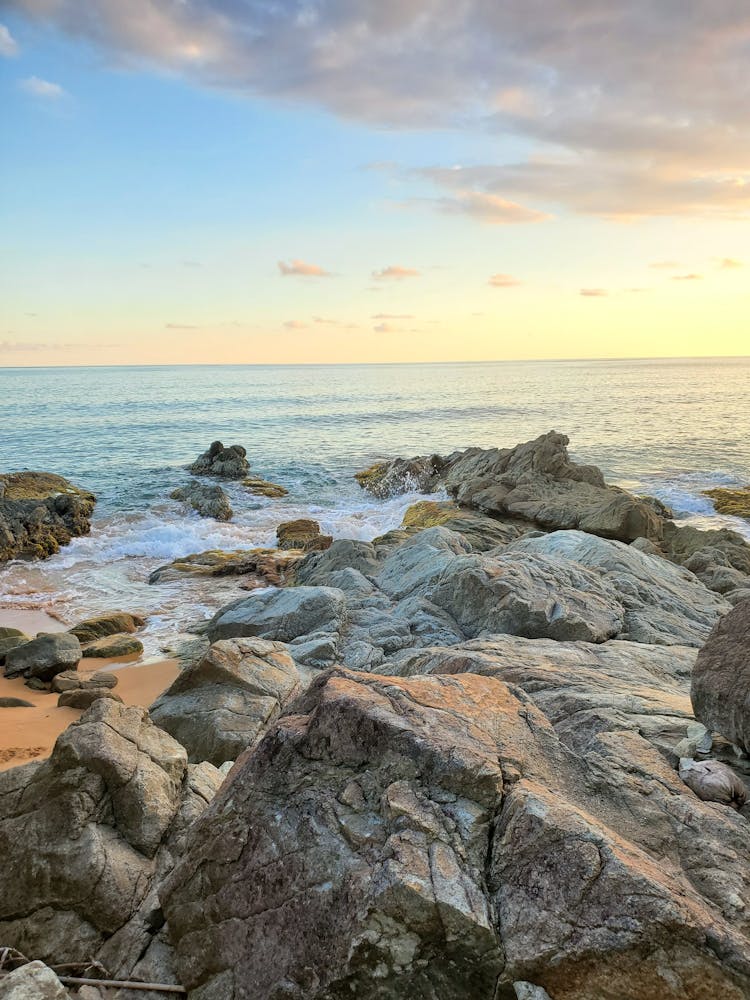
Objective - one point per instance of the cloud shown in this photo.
(37, 87)
(295, 324)
(301, 268)
(687, 277)
(730, 263)
(594, 89)
(181, 326)
(488, 208)
(504, 281)
(388, 328)
(594, 293)
(8, 44)
(327, 321)
(395, 273)
(393, 316)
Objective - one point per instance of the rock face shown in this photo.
(209, 500)
(44, 657)
(110, 623)
(229, 463)
(219, 707)
(721, 679)
(535, 481)
(434, 837)
(304, 534)
(39, 512)
(85, 834)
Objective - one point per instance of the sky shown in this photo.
(301, 181)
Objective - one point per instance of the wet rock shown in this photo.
(34, 981)
(229, 463)
(209, 500)
(728, 501)
(713, 781)
(271, 566)
(262, 488)
(39, 512)
(304, 534)
(110, 623)
(72, 680)
(113, 646)
(720, 689)
(222, 705)
(44, 657)
(83, 698)
(419, 475)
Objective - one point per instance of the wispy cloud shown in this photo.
(387, 316)
(504, 281)
(490, 209)
(44, 89)
(295, 324)
(303, 269)
(181, 326)
(328, 321)
(687, 277)
(594, 293)
(395, 273)
(8, 44)
(730, 263)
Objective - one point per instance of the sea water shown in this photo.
(669, 428)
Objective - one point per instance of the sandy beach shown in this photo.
(30, 733)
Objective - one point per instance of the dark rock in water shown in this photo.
(15, 703)
(112, 646)
(44, 657)
(720, 689)
(109, 623)
(262, 488)
(433, 837)
(207, 500)
(39, 512)
(270, 566)
(86, 835)
(222, 705)
(70, 680)
(229, 463)
(304, 534)
(85, 697)
(535, 481)
(728, 501)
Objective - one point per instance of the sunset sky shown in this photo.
(373, 180)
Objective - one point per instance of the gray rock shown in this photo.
(283, 615)
(713, 781)
(44, 657)
(208, 499)
(70, 680)
(10, 642)
(720, 689)
(34, 981)
(222, 705)
(229, 463)
(83, 698)
(344, 553)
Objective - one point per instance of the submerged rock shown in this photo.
(262, 488)
(209, 500)
(39, 512)
(109, 623)
(304, 534)
(222, 705)
(727, 501)
(229, 463)
(44, 657)
(721, 679)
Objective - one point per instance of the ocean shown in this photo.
(669, 428)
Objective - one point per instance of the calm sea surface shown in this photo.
(670, 428)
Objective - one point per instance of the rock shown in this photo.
(262, 488)
(709, 554)
(282, 615)
(110, 623)
(270, 566)
(39, 512)
(432, 837)
(535, 481)
(86, 834)
(11, 633)
(15, 703)
(222, 705)
(209, 500)
(44, 657)
(344, 553)
(720, 689)
(663, 602)
(10, 642)
(229, 463)
(113, 646)
(481, 531)
(34, 981)
(71, 680)
(304, 534)
(84, 697)
(735, 502)
(713, 781)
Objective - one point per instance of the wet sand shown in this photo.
(30, 733)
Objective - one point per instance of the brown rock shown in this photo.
(303, 534)
(85, 697)
(39, 512)
(109, 623)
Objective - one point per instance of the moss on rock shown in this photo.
(728, 501)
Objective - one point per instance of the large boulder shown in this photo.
(85, 834)
(44, 657)
(207, 499)
(283, 615)
(228, 463)
(39, 512)
(721, 679)
(663, 603)
(223, 704)
(432, 837)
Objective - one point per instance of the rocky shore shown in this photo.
(499, 752)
